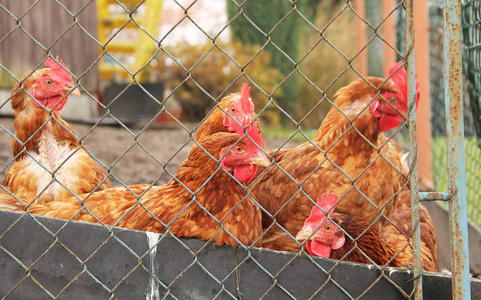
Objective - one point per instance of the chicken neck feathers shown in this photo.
(214, 122)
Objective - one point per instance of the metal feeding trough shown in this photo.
(132, 103)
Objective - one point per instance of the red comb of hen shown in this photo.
(328, 203)
(400, 79)
(253, 132)
(246, 103)
(58, 69)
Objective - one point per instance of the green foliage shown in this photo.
(473, 173)
(471, 27)
(374, 15)
(278, 26)
(259, 23)
(309, 8)
(324, 63)
(303, 101)
(203, 74)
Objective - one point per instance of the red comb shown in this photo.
(401, 80)
(253, 132)
(328, 203)
(58, 69)
(246, 103)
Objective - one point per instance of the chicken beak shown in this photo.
(304, 234)
(261, 160)
(72, 89)
(75, 92)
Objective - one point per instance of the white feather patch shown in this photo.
(66, 172)
(48, 148)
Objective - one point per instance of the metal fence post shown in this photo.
(455, 145)
(413, 149)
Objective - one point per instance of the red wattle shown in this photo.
(319, 249)
(387, 122)
(51, 102)
(245, 173)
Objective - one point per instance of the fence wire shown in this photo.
(178, 85)
(470, 25)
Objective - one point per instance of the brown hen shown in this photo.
(202, 201)
(232, 114)
(391, 247)
(350, 156)
(340, 236)
(50, 163)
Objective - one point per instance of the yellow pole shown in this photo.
(146, 45)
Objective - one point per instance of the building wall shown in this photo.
(29, 30)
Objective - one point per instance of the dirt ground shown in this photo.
(133, 157)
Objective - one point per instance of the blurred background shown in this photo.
(145, 65)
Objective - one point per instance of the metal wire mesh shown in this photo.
(471, 57)
(471, 95)
(168, 262)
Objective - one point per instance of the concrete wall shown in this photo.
(42, 258)
(440, 216)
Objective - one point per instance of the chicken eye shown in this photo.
(394, 99)
(48, 82)
(328, 227)
(239, 149)
(232, 109)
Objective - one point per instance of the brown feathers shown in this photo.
(218, 121)
(50, 163)
(355, 161)
(390, 247)
(402, 229)
(203, 201)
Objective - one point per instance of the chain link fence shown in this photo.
(117, 54)
(470, 25)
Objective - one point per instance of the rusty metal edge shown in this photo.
(458, 221)
(413, 150)
(434, 196)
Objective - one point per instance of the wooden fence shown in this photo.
(49, 28)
